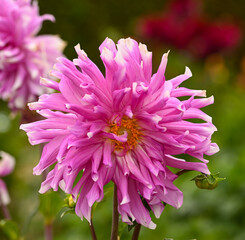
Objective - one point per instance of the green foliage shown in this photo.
(50, 205)
(10, 229)
(121, 227)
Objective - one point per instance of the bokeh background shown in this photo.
(219, 68)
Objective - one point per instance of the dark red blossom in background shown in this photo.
(184, 25)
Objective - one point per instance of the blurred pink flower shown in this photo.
(124, 127)
(184, 26)
(7, 164)
(24, 57)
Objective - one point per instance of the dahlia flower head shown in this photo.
(24, 57)
(123, 127)
(7, 163)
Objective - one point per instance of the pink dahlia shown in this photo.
(24, 57)
(123, 127)
(7, 164)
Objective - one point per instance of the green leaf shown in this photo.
(108, 190)
(28, 221)
(10, 229)
(50, 205)
(67, 211)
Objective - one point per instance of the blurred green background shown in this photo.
(212, 215)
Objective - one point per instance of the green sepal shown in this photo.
(130, 227)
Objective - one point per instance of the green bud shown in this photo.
(69, 201)
(209, 182)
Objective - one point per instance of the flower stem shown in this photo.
(136, 232)
(182, 172)
(5, 211)
(91, 227)
(48, 225)
(48, 230)
(115, 216)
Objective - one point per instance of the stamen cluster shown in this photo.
(132, 130)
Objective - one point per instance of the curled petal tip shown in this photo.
(188, 72)
(149, 186)
(22, 127)
(43, 81)
(67, 105)
(90, 134)
(37, 171)
(165, 55)
(77, 47)
(152, 225)
(143, 48)
(179, 203)
(32, 105)
(95, 177)
(81, 53)
(125, 200)
(203, 93)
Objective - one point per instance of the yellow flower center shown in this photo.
(131, 127)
